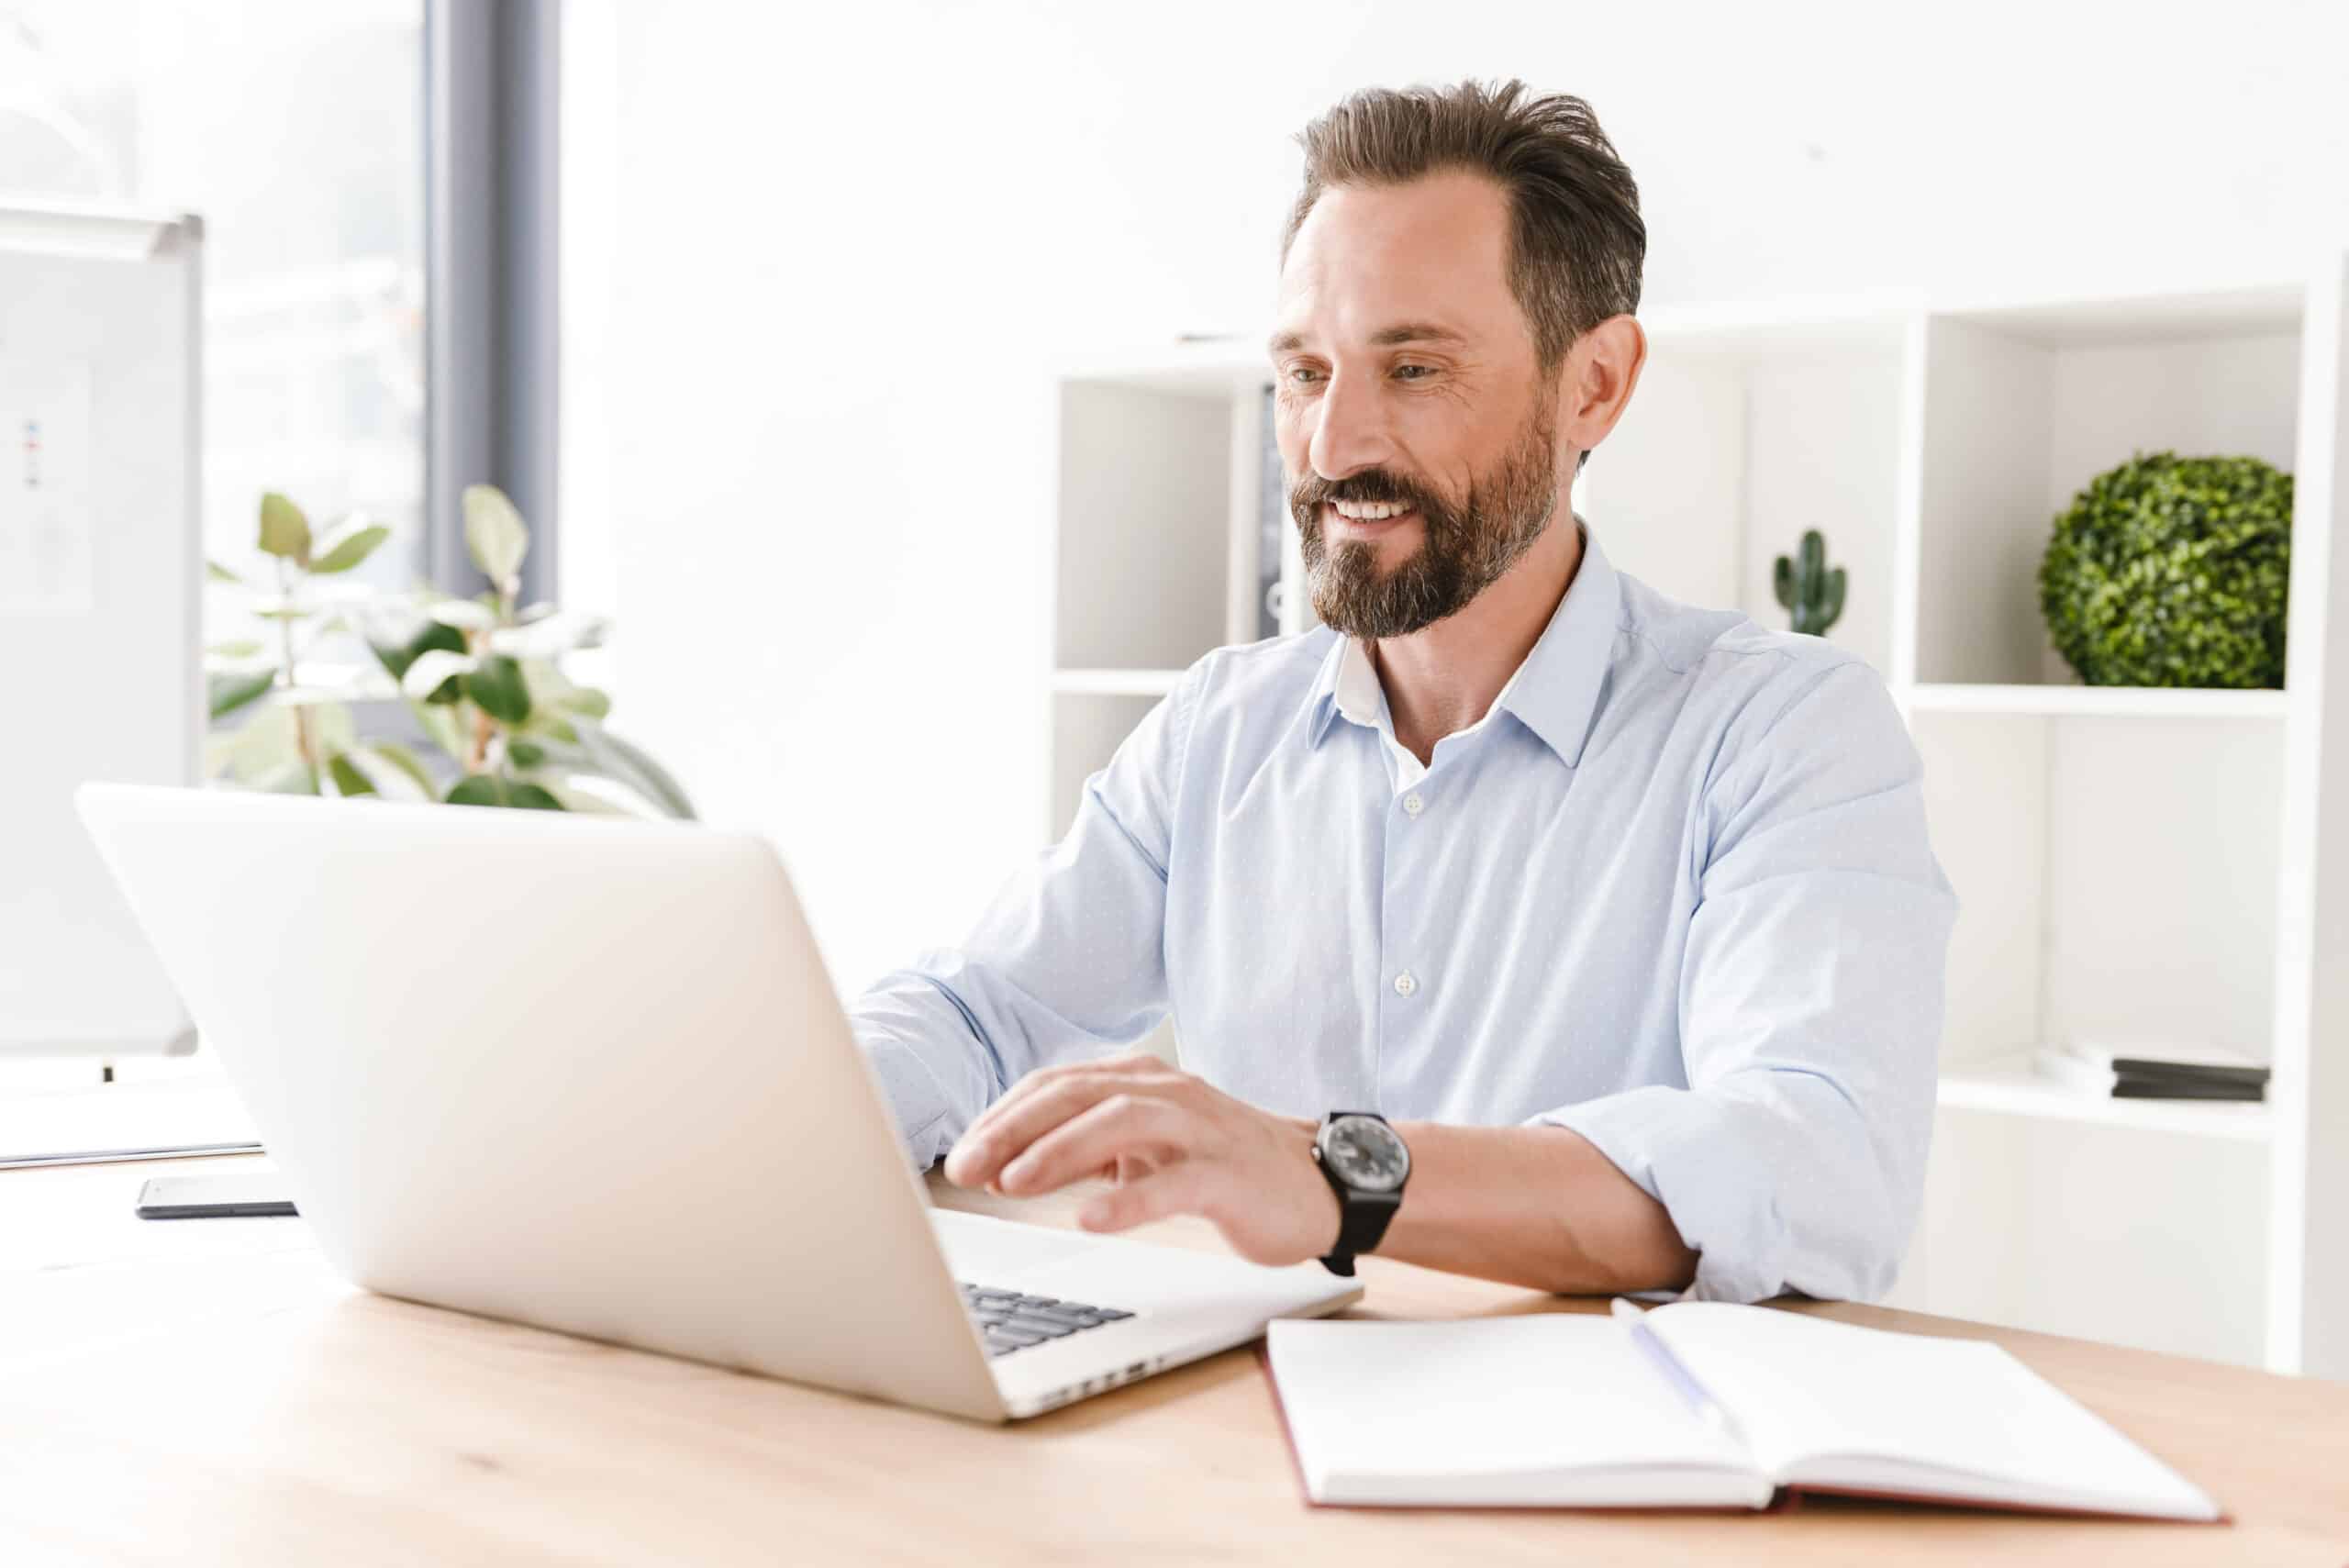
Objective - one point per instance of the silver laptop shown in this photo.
(592, 1075)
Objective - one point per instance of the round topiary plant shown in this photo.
(2171, 572)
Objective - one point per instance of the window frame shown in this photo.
(492, 282)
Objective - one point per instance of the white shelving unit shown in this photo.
(2117, 702)
(2135, 865)
(1116, 683)
(2009, 1086)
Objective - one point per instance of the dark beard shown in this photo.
(1463, 548)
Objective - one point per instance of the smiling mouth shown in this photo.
(1367, 516)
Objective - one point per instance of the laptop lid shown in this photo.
(584, 1073)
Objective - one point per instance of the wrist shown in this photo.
(1327, 1210)
(1365, 1164)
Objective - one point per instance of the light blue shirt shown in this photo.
(1673, 892)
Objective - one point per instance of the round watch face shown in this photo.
(1366, 1153)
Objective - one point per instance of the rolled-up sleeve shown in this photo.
(1810, 1006)
(1068, 960)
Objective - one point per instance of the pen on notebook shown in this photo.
(1709, 1410)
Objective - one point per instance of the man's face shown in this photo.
(1418, 433)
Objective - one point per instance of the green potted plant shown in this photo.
(1811, 594)
(483, 677)
(2173, 572)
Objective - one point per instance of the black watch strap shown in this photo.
(1363, 1216)
(1361, 1223)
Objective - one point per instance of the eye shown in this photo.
(1303, 375)
(1413, 372)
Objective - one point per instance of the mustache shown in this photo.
(1372, 485)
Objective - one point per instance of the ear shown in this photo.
(1595, 383)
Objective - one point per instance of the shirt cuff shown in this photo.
(1707, 1162)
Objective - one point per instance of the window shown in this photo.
(296, 130)
(366, 169)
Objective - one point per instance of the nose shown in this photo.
(1350, 430)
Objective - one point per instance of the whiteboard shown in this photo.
(101, 572)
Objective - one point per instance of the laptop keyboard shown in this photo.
(1013, 1323)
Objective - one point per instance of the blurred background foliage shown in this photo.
(495, 722)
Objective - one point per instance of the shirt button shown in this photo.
(1413, 804)
(1405, 984)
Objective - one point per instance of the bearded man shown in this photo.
(1516, 920)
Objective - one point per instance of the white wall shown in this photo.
(820, 261)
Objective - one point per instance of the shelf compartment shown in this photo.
(2112, 883)
(2023, 407)
(2006, 1084)
(2118, 702)
(2118, 1232)
(1145, 541)
(1746, 432)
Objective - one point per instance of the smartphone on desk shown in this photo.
(214, 1197)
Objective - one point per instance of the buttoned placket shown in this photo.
(1400, 1005)
(1410, 875)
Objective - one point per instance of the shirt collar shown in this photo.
(1554, 692)
(1321, 703)
(1359, 695)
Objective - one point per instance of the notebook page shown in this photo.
(1956, 1417)
(1547, 1410)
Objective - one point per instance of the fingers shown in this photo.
(1178, 1189)
(1126, 1065)
(1039, 1102)
(1082, 1146)
(1129, 1166)
(1003, 1134)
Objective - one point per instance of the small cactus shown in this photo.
(1813, 594)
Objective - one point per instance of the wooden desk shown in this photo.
(208, 1393)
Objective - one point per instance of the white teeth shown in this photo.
(1370, 511)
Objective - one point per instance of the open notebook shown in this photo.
(1573, 1411)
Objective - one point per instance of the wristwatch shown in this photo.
(1365, 1162)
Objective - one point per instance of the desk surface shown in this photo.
(208, 1393)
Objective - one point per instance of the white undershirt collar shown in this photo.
(1361, 697)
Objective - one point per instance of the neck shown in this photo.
(1443, 678)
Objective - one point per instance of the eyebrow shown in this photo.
(1414, 332)
(1385, 338)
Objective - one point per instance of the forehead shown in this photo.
(1434, 250)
